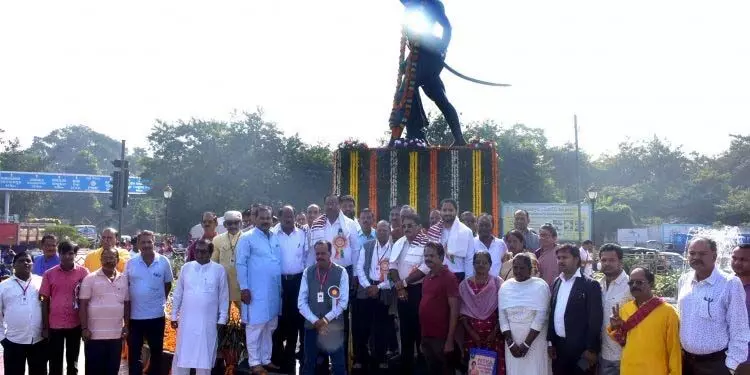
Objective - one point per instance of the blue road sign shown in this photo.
(65, 183)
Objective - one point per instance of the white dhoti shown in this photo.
(186, 371)
(259, 342)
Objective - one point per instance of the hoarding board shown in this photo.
(563, 216)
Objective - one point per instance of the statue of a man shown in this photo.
(428, 33)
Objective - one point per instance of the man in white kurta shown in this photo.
(201, 301)
(457, 239)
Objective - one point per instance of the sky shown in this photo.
(327, 69)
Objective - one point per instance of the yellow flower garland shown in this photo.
(413, 173)
(477, 178)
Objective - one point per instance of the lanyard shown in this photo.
(22, 288)
(385, 250)
(322, 280)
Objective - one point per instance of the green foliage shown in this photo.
(67, 232)
(222, 165)
(666, 285)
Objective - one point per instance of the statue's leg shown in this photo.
(434, 88)
(417, 119)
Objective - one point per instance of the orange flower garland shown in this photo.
(433, 178)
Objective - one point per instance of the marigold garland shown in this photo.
(413, 173)
(406, 84)
(477, 177)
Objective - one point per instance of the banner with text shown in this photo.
(563, 216)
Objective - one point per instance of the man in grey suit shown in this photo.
(375, 297)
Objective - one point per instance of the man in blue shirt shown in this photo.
(259, 275)
(49, 257)
(149, 280)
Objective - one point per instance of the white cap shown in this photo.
(232, 216)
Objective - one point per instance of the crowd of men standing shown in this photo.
(324, 276)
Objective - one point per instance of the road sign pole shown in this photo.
(7, 207)
(122, 183)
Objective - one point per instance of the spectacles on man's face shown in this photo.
(232, 222)
(636, 282)
(408, 226)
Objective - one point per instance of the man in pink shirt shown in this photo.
(60, 323)
(104, 314)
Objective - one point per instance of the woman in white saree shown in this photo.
(523, 303)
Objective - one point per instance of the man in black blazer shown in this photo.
(575, 321)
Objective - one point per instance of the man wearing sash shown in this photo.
(456, 238)
(225, 251)
(648, 330)
(323, 296)
(407, 269)
(341, 232)
(375, 297)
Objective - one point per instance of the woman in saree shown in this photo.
(479, 310)
(516, 244)
(523, 304)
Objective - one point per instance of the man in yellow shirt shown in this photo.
(648, 329)
(225, 246)
(108, 241)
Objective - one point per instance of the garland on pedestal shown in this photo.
(413, 187)
(433, 179)
(419, 178)
(354, 178)
(476, 157)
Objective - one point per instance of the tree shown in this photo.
(223, 166)
(735, 209)
(62, 146)
(564, 173)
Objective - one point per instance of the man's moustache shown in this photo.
(635, 289)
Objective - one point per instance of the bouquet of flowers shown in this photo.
(410, 144)
(352, 144)
(232, 340)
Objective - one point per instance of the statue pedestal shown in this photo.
(380, 178)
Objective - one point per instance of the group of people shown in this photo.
(51, 304)
(325, 275)
(448, 291)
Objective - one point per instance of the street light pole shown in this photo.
(592, 195)
(167, 197)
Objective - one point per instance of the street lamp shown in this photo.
(167, 197)
(592, 195)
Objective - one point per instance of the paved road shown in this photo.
(81, 364)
